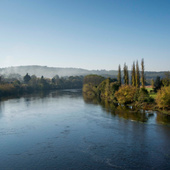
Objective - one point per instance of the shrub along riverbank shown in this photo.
(139, 98)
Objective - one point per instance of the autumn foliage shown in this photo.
(163, 97)
(126, 94)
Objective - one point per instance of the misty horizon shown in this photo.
(102, 69)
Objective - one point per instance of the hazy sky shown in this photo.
(90, 34)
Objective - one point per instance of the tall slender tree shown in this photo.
(126, 74)
(124, 71)
(133, 75)
(142, 74)
(119, 75)
(152, 83)
(137, 75)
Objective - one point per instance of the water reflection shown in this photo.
(162, 118)
(58, 130)
(129, 113)
(43, 95)
(1, 109)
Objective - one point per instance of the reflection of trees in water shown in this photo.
(162, 118)
(27, 101)
(126, 112)
(41, 96)
(73, 93)
(91, 100)
(1, 108)
(44, 94)
(108, 107)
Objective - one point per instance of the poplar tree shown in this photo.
(142, 74)
(133, 75)
(152, 83)
(137, 75)
(126, 74)
(119, 75)
(124, 71)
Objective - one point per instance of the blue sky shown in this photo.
(90, 34)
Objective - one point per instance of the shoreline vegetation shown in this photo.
(125, 90)
(127, 112)
(130, 90)
(31, 84)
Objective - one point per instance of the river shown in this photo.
(63, 130)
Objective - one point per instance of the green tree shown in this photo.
(163, 97)
(157, 84)
(143, 95)
(55, 79)
(126, 94)
(166, 80)
(90, 90)
(107, 88)
(152, 83)
(27, 78)
(93, 79)
(137, 75)
(119, 76)
(126, 74)
(142, 74)
(33, 82)
(133, 75)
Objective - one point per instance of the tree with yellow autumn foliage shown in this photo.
(163, 97)
(126, 94)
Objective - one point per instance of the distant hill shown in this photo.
(50, 72)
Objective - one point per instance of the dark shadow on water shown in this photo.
(44, 94)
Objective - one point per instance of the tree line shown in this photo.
(136, 78)
(129, 89)
(32, 83)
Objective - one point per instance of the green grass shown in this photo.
(153, 94)
(149, 89)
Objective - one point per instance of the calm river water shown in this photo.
(63, 130)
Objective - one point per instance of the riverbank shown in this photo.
(32, 84)
(128, 95)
